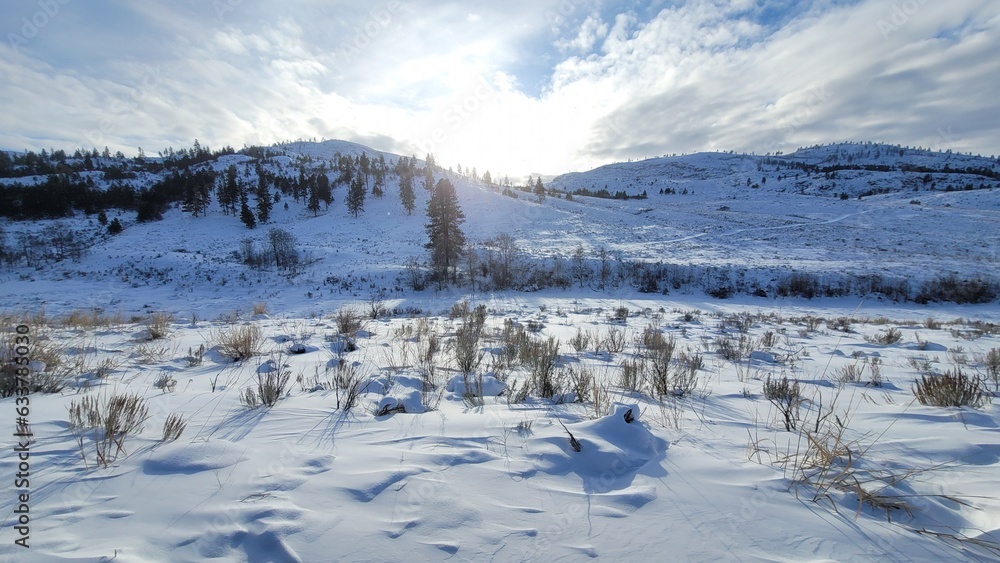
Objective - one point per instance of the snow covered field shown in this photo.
(709, 473)
(682, 455)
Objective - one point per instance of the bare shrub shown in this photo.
(376, 304)
(619, 315)
(540, 357)
(347, 383)
(684, 380)
(693, 360)
(734, 349)
(61, 361)
(992, 363)
(513, 339)
(614, 341)
(742, 322)
(633, 375)
(240, 342)
(841, 324)
(951, 389)
(769, 339)
(785, 395)
(581, 382)
(580, 341)
(659, 359)
(887, 337)
(260, 308)
(468, 354)
(349, 321)
(173, 427)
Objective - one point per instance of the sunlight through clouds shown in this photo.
(522, 89)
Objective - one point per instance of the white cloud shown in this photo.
(498, 89)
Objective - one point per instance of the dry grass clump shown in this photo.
(887, 337)
(158, 326)
(90, 319)
(173, 427)
(111, 422)
(260, 308)
(60, 362)
(951, 389)
(272, 383)
(349, 321)
(239, 342)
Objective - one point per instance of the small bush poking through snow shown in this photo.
(196, 357)
(112, 422)
(349, 321)
(786, 396)
(840, 324)
(239, 342)
(951, 390)
(272, 383)
(992, 362)
(887, 337)
(158, 326)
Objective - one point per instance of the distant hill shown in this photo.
(854, 169)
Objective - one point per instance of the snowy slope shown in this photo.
(706, 474)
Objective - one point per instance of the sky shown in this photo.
(519, 87)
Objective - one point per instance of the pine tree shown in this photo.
(246, 215)
(314, 198)
(445, 237)
(539, 190)
(102, 218)
(406, 195)
(229, 191)
(428, 179)
(356, 196)
(115, 227)
(264, 201)
(323, 190)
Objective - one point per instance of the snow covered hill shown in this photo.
(605, 404)
(702, 228)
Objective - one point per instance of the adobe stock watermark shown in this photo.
(122, 108)
(457, 114)
(566, 8)
(374, 26)
(900, 16)
(948, 138)
(223, 7)
(782, 132)
(32, 25)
